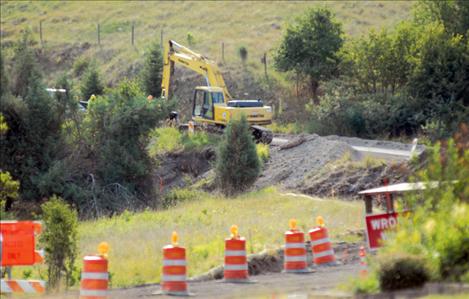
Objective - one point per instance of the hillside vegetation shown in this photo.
(70, 28)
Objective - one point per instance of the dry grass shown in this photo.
(256, 25)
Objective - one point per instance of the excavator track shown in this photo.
(262, 134)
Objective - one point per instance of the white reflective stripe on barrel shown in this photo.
(96, 293)
(235, 252)
(174, 262)
(167, 278)
(236, 267)
(323, 253)
(5, 288)
(95, 275)
(320, 241)
(295, 245)
(295, 258)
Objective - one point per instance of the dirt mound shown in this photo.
(271, 261)
(347, 180)
(179, 169)
(288, 166)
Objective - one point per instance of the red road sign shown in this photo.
(376, 225)
(18, 243)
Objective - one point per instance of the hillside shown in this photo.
(70, 29)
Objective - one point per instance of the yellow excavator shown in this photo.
(212, 105)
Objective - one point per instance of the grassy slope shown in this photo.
(257, 25)
(136, 240)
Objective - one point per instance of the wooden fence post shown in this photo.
(99, 35)
(40, 34)
(222, 52)
(161, 39)
(265, 66)
(133, 33)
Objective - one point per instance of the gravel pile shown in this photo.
(289, 167)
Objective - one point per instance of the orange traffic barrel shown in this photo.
(94, 277)
(173, 281)
(363, 263)
(236, 266)
(295, 250)
(323, 253)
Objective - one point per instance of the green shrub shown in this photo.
(437, 228)
(243, 53)
(60, 241)
(263, 152)
(80, 66)
(237, 165)
(91, 83)
(401, 271)
(179, 195)
(365, 285)
(9, 189)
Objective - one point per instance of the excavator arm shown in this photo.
(176, 53)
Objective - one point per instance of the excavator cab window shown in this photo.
(203, 104)
(218, 98)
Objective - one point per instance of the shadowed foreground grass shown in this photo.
(136, 239)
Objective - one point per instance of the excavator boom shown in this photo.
(176, 53)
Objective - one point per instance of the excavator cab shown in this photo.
(205, 98)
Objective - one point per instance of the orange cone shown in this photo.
(323, 253)
(173, 281)
(295, 250)
(236, 267)
(363, 263)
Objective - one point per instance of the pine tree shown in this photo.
(237, 165)
(92, 84)
(152, 71)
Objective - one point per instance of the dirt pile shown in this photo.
(271, 261)
(288, 166)
(179, 169)
(334, 166)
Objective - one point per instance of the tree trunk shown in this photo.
(314, 91)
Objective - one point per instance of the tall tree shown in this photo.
(453, 14)
(310, 47)
(152, 71)
(31, 143)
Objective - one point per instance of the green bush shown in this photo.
(263, 152)
(237, 165)
(437, 228)
(168, 139)
(91, 83)
(60, 241)
(365, 285)
(401, 271)
(179, 195)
